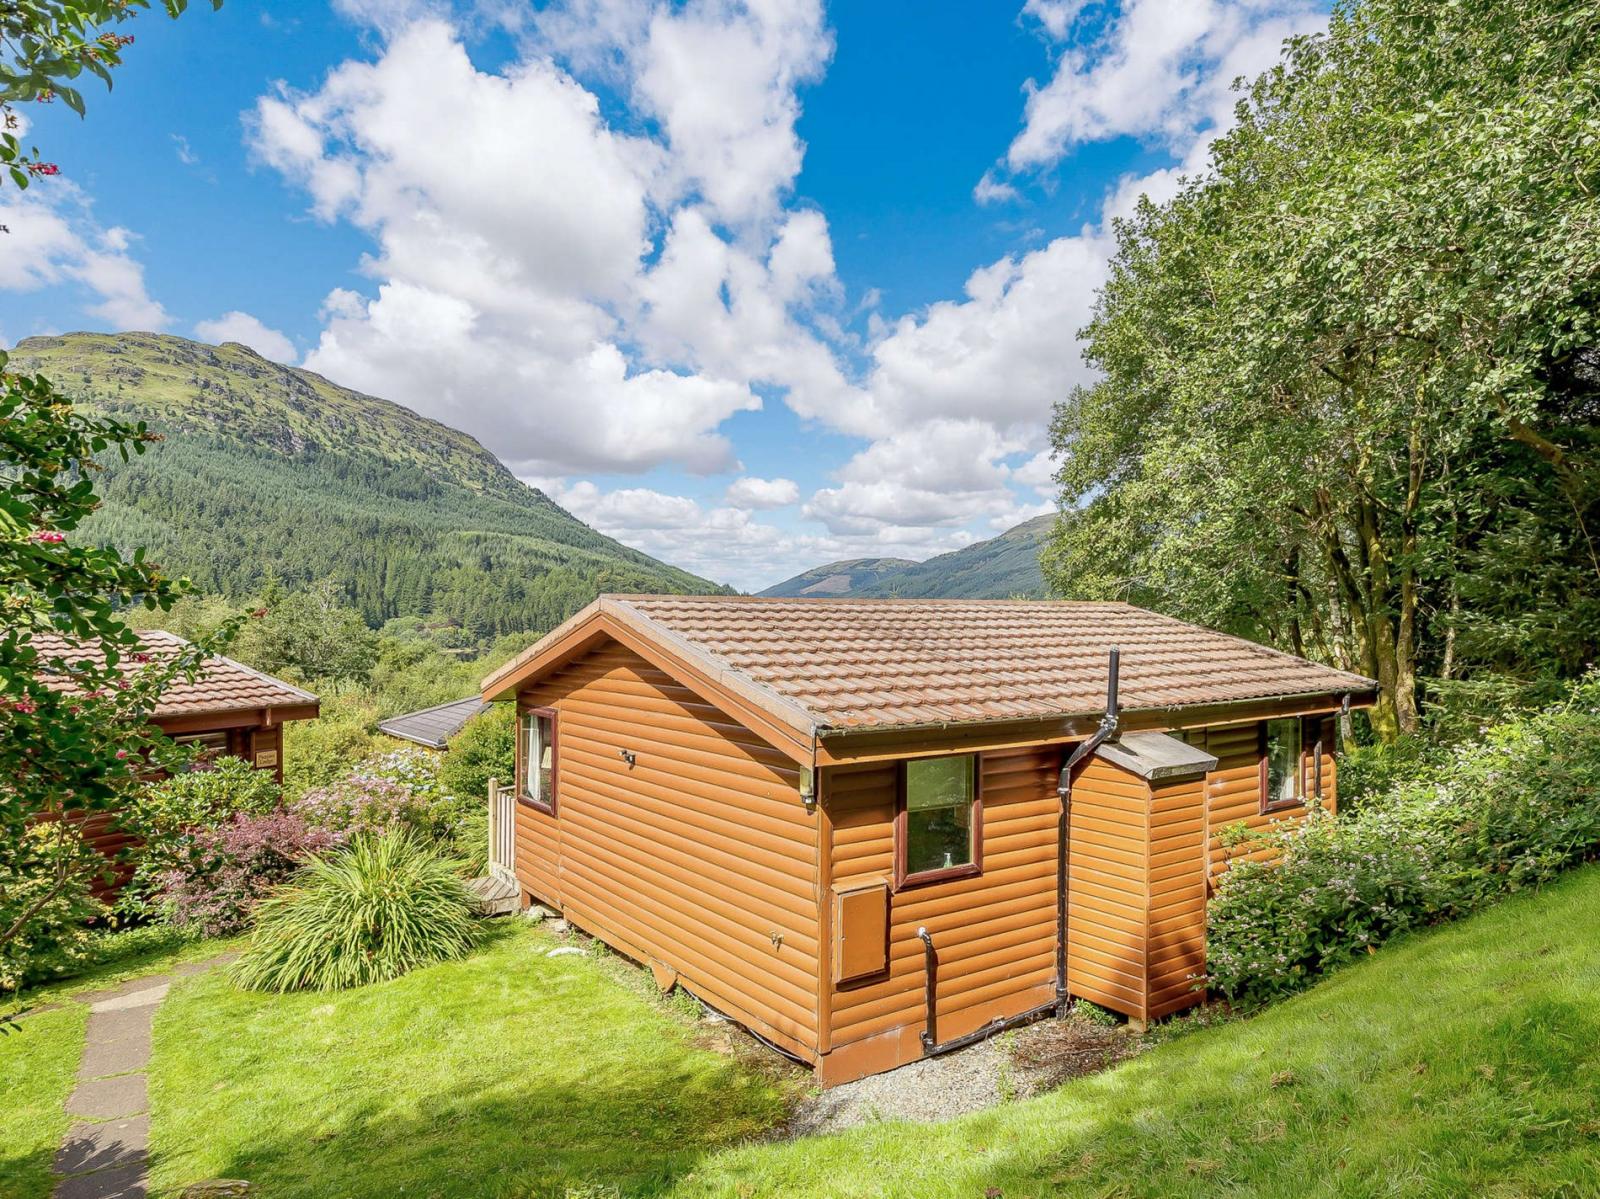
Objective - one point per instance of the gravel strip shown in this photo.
(1010, 1066)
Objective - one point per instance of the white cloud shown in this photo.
(247, 330)
(751, 492)
(727, 542)
(590, 293)
(54, 239)
(1056, 16)
(1162, 71)
(991, 190)
(517, 291)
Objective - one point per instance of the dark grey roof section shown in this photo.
(1156, 756)
(434, 726)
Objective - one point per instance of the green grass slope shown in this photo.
(266, 468)
(1463, 1061)
(1003, 567)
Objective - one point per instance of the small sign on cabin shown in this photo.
(266, 758)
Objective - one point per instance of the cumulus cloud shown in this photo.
(590, 293)
(728, 542)
(1163, 69)
(756, 493)
(54, 239)
(566, 291)
(247, 330)
(1054, 16)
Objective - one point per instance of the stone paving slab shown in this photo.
(149, 997)
(121, 989)
(119, 1182)
(108, 1160)
(117, 1024)
(110, 1098)
(101, 1146)
(101, 1059)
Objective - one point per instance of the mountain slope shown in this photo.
(851, 577)
(271, 470)
(1003, 567)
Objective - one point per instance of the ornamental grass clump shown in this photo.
(381, 906)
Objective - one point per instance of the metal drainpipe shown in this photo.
(1107, 730)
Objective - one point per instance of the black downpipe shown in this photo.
(931, 1046)
(1107, 730)
(930, 982)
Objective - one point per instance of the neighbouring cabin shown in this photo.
(227, 709)
(850, 826)
(432, 728)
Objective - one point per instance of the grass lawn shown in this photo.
(39, 1057)
(511, 1073)
(1463, 1061)
(38, 1060)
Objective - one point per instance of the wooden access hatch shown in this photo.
(860, 931)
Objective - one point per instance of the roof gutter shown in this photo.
(1340, 700)
(1107, 730)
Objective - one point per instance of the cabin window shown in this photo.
(209, 747)
(1282, 764)
(940, 819)
(539, 758)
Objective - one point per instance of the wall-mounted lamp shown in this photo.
(808, 788)
(628, 757)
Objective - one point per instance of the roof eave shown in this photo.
(1130, 715)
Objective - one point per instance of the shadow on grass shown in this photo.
(1461, 1061)
(510, 1074)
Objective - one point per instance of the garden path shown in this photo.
(105, 1154)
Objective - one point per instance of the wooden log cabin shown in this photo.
(874, 830)
(226, 709)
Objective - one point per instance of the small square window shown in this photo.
(1282, 764)
(940, 819)
(539, 758)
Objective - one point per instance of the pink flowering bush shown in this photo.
(1509, 812)
(233, 865)
(400, 791)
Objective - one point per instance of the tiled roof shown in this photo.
(853, 663)
(222, 685)
(434, 726)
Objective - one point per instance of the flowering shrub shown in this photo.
(168, 815)
(399, 790)
(1506, 813)
(233, 865)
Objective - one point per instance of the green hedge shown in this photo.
(1499, 815)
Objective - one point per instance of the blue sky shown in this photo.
(750, 285)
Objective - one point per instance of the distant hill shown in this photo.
(840, 578)
(1003, 567)
(271, 470)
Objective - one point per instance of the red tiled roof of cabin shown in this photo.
(223, 685)
(857, 663)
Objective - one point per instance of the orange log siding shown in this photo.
(995, 932)
(700, 859)
(1233, 789)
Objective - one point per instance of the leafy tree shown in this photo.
(73, 728)
(1350, 384)
(73, 732)
(311, 634)
(486, 748)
